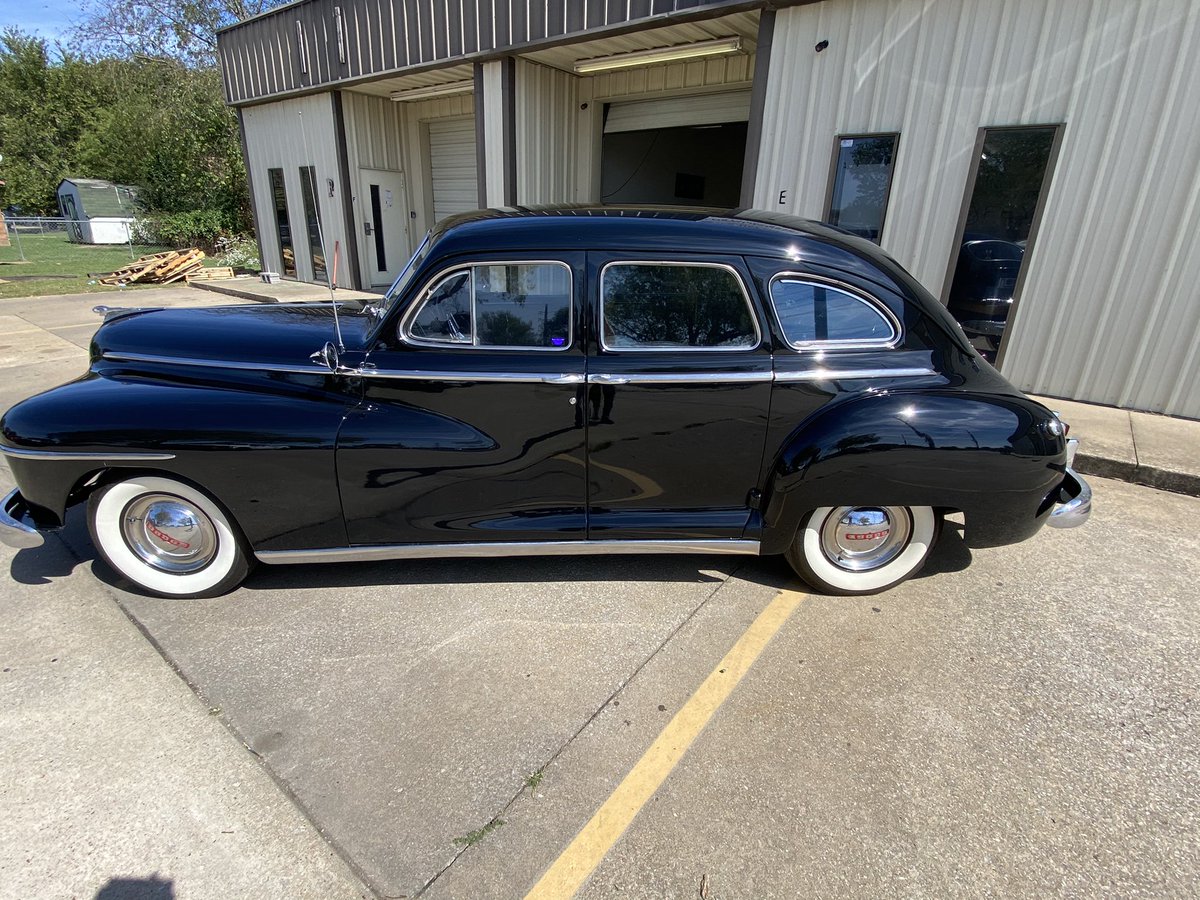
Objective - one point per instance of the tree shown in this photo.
(182, 30)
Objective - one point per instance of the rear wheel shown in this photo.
(167, 538)
(863, 549)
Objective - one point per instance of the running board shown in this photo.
(531, 548)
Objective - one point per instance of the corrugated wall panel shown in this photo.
(1108, 311)
(374, 140)
(287, 135)
(416, 118)
(493, 132)
(547, 108)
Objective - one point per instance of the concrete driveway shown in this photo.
(1022, 726)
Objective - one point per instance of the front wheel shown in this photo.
(167, 538)
(863, 549)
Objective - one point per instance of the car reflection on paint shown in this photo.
(557, 380)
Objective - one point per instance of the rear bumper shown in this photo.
(1074, 504)
(16, 524)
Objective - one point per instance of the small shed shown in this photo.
(98, 212)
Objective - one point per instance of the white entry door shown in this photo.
(383, 229)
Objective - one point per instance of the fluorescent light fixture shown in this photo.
(719, 47)
(436, 90)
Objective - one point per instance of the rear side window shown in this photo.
(497, 305)
(675, 306)
(812, 313)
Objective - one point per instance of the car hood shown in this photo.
(253, 335)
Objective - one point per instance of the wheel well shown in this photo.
(93, 481)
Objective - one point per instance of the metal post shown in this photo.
(17, 234)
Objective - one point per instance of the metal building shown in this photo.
(1034, 163)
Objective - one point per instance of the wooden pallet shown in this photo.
(212, 273)
(157, 268)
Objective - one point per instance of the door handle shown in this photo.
(366, 227)
(607, 379)
(563, 379)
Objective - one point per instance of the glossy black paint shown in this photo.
(303, 458)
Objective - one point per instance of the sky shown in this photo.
(50, 19)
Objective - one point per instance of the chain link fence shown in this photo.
(76, 247)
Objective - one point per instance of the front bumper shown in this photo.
(16, 524)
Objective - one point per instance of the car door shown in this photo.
(678, 394)
(469, 428)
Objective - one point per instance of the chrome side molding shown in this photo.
(83, 456)
(371, 552)
(853, 374)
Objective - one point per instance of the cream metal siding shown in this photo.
(708, 109)
(287, 135)
(492, 164)
(417, 119)
(547, 108)
(374, 140)
(1108, 310)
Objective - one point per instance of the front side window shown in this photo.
(497, 305)
(667, 306)
(813, 313)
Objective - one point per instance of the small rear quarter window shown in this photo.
(814, 313)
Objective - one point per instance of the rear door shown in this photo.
(678, 395)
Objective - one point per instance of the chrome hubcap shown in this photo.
(860, 538)
(169, 533)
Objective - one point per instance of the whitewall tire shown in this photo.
(167, 537)
(863, 549)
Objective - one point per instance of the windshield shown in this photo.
(380, 308)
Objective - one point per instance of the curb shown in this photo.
(1150, 476)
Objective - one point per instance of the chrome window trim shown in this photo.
(853, 374)
(214, 363)
(81, 455)
(758, 337)
(366, 553)
(855, 293)
(403, 333)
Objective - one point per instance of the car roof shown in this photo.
(749, 232)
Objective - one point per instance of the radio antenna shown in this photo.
(309, 174)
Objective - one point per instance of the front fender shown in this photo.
(989, 455)
(261, 443)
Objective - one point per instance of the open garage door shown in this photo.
(452, 170)
(678, 151)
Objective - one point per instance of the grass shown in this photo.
(475, 837)
(65, 266)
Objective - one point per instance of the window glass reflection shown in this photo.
(994, 243)
(674, 307)
(812, 313)
(446, 314)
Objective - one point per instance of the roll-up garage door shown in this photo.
(705, 109)
(452, 168)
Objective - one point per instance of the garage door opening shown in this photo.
(682, 151)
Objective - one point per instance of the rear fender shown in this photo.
(987, 455)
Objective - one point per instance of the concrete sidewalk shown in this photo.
(1144, 448)
(247, 287)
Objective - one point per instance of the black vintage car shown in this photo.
(543, 381)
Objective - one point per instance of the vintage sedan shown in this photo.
(547, 381)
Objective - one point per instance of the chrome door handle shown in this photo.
(607, 379)
(563, 379)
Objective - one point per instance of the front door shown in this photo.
(384, 226)
(678, 393)
(471, 429)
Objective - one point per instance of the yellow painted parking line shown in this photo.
(579, 860)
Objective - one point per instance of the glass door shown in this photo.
(1004, 199)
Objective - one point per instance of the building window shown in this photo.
(813, 313)
(499, 306)
(675, 306)
(282, 224)
(312, 221)
(1005, 194)
(861, 183)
